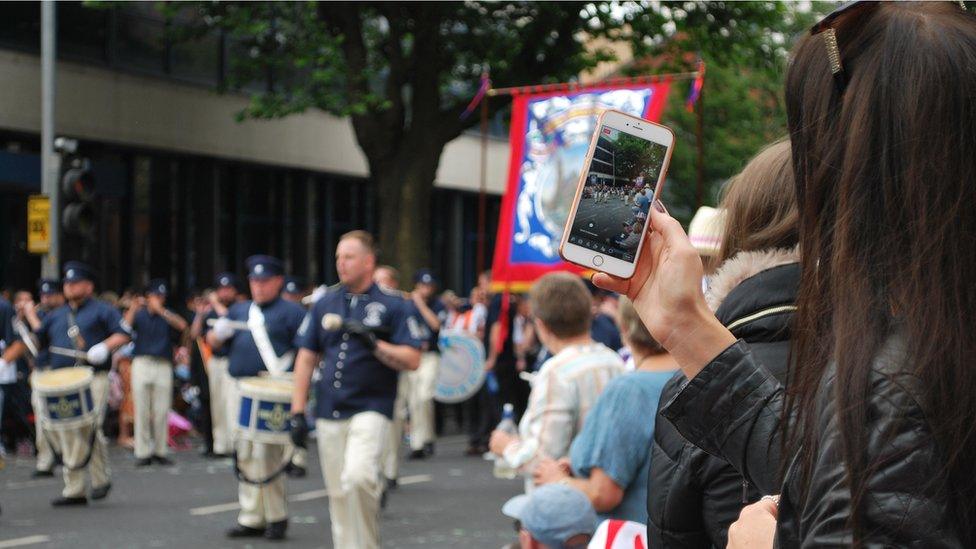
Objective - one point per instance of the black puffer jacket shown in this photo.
(732, 408)
(693, 497)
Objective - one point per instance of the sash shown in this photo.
(273, 363)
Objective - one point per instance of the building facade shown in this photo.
(184, 190)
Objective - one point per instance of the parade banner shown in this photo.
(550, 134)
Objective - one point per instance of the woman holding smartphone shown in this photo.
(880, 445)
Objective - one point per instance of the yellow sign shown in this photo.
(38, 224)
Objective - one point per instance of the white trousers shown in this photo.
(391, 452)
(265, 503)
(219, 379)
(45, 457)
(152, 394)
(73, 445)
(349, 452)
(420, 400)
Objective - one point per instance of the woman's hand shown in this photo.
(548, 471)
(756, 526)
(666, 291)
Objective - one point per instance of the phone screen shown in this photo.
(617, 194)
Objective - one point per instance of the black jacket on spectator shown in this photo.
(693, 497)
(732, 408)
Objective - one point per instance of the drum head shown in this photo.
(462, 367)
(63, 378)
(266, 385)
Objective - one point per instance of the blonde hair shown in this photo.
(633, 330)
(760, 204)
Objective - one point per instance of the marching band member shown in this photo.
(90, 328)
(267, 345)
(155, 328)
(361, 331)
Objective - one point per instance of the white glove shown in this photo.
(222, 329)
(98, 353)
(8, 372)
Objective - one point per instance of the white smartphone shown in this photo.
(621, 177)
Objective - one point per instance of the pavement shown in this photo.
(448, 500)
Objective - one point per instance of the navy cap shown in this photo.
(157, 286)
(48, 286)
(293, 285)
(76, 270)
(424, 276)
(225, 279)
(264, 266)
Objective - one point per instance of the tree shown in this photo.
(403, 72)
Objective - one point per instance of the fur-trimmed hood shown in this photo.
(743, 265)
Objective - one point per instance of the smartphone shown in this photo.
(622, 175)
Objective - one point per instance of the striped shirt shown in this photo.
(563, 392)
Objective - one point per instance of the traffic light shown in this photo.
(78, 192)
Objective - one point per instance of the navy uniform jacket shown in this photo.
(96, 321)
(353, 380)
(153, 335)
(440, 311)
(281, 319)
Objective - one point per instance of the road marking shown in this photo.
(20, 542)
(414, 479)
(304, 496)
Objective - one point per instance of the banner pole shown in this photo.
(482, 187)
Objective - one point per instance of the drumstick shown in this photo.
(25, 336)
(235, 324)
(73, 353)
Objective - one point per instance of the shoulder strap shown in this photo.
(74, 332)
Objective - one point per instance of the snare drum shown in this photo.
(66, 397)
(265, 410)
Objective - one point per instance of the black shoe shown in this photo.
(223, 456)
(143, 462)
(475, 451)
(417, 454)
(68, 502)
(40, 473)
(241, 531)
(391, 484)
(429, 449)
(101, 492)
(295, 471)
(276, 530)
(208, 453)
(162, 460)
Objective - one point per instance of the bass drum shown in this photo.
(462, 367)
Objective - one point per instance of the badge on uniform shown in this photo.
(374, 314)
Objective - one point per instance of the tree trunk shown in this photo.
(405, 187)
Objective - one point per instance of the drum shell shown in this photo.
(264, 414)
(68, 406)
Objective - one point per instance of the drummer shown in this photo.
(265, 346)
(85, 324)
(361, 331)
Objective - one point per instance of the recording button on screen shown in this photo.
(597, 260)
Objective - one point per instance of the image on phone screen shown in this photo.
(617, 194)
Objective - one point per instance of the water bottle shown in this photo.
(507, 425)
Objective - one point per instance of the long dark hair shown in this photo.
(886, 186)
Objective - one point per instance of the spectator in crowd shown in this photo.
(609, 459)
(552, 517)
(694, 497)
(568, 385)
(879, 449)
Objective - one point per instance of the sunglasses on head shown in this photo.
(826, 28)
